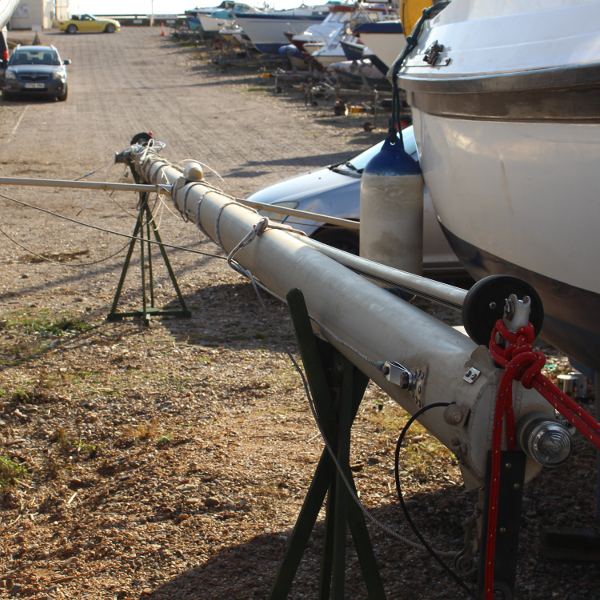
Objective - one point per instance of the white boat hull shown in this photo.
(384, 44)
(268, 34)
(507, 119)
(213, 24)
(329, 56)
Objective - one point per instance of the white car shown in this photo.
(335, 191)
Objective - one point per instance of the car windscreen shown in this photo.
(358, 163)
(37, 57)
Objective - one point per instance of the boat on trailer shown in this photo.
(385, 38)
(506, 105)
(268, 30)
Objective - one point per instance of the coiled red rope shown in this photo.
(514, 351)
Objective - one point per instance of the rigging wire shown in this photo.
(105, 166)
(110, 231)
(58, 262)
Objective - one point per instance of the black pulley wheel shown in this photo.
(484, 305)
(141, 138)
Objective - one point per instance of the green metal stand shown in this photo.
(145, 226)
(337, 388)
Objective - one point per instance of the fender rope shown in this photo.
(514, 352)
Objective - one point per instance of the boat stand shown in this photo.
(337, 388)
(510, 498)
(145, 227)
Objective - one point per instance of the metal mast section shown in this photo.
(412, 356)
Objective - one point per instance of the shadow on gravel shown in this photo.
(25, 99)
(230, 315)
(240, 173)
(311, 160)
(247, 571)
(113, 265)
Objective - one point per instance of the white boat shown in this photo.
(215, 21)
(327, 30)
(506, 106)
(193, 15)
(267, 30)
(332, 50)
(224, 17)
(7, 7)
(385, 38)
(328, 55)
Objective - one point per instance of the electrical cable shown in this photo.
(457, 579)
(350, 488)
(112, 232)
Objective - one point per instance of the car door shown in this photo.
(87, 24)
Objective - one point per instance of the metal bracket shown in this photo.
(472, 375)
(433, 53)
(398, 374)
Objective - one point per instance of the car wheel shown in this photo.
(63, 95)
(71, 29)
(342, 239)
(110, 28)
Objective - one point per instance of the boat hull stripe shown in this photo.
(560, 95)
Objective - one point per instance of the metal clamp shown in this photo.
(398, 374)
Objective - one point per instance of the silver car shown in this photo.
(335, 191)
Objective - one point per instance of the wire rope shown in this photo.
(110, 231)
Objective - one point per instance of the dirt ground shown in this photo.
(170, 461)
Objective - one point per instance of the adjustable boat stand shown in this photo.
(145, 225)
(337, 388)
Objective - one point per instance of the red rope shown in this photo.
(514, 352)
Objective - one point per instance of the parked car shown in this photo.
(35, 70)
(4, 54)
(335, 191)
(89, 24)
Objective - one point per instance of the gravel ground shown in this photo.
(170, 461)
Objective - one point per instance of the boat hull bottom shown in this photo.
(570, 322)
(269, 48)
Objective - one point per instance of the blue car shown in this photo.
(35, 70)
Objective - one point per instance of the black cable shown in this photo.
(457, 579)
(395, 131)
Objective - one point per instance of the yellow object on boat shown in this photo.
(410, 13)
